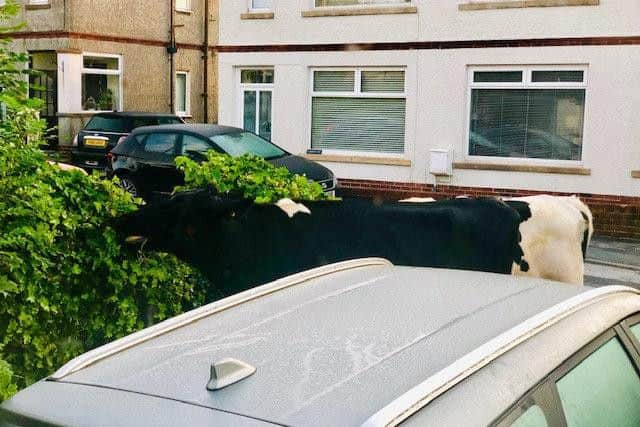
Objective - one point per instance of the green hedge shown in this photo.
(66, 282)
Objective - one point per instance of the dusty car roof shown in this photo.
(206, 130)
(333, 349)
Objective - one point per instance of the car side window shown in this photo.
(636, 331)
(161, 146)
(531, 417)
(603, 389)
(194, 144)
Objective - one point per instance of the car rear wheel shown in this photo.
(129, 185)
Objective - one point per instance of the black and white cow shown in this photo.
(238, 244)
(556, 232)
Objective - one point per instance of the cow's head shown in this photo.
(177, 224)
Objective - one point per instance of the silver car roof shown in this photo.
(330, 349)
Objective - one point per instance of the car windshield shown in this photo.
(240, 143)
(106, 124)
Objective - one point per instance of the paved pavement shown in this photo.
(613, 262)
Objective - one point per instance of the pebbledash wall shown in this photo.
(438, 45)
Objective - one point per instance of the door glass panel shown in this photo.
(249, 118)
(532, 417)
(604, 389)
(265, 115)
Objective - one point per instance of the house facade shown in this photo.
(104, 55)
(444, 98)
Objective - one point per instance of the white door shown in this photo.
(256, 95)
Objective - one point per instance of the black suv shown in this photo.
(145, 161)
(104, 130)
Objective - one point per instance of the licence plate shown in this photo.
(95, 142)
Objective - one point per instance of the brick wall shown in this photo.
(617, 216)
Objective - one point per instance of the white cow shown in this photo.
(554, 238)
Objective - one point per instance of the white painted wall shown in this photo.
(69, 83)
(435, 20)
(437, 111)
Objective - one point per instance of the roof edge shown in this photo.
(192, 316)
(422, 394)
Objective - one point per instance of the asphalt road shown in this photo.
(613, 262)
(602, 275)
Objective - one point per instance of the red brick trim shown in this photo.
(614, 215)
(333, 47)
(95, 37)
(430, 45)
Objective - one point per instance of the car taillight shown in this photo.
(111, 157)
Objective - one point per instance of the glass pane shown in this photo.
(249, 117)
(557, 76)
(533, 417)
(182, 5)
(100, 63)
(320, 3)
(261, 4)
(603, 390)
(334, 81)
(265, 115)
(100, 92)
(106, 124)
(237, 144)
(383, 81)
(497, 76)
(256, 76)
(161, 143)
(525, 123)
(181, 93)
(191, 143)
(359, 124)
(636, 330)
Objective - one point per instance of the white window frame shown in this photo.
(38, 1)
(100, 71)
(257, 87)
(184, 9)
(527, 83)
(259, 9)
(187, 95)
(357, 93)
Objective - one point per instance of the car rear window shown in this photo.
(107, 124)
(154, 121)
(240, 143)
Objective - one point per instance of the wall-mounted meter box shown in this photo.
(440, 162)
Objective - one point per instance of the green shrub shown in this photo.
(7, 387)
(252, 176)
(66, 282)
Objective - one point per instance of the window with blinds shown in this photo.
(537, 114)
(358, 110)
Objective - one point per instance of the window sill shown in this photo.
(257, 15)
(635, 174)
(358, 11)
(563, 170)
(37, 6)
(516, 4)
(389, 161)
(184, 11)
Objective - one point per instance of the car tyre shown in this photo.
(129, 185)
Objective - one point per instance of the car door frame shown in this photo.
(152, 172)
(548, 384)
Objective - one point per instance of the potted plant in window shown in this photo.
(106, 100)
